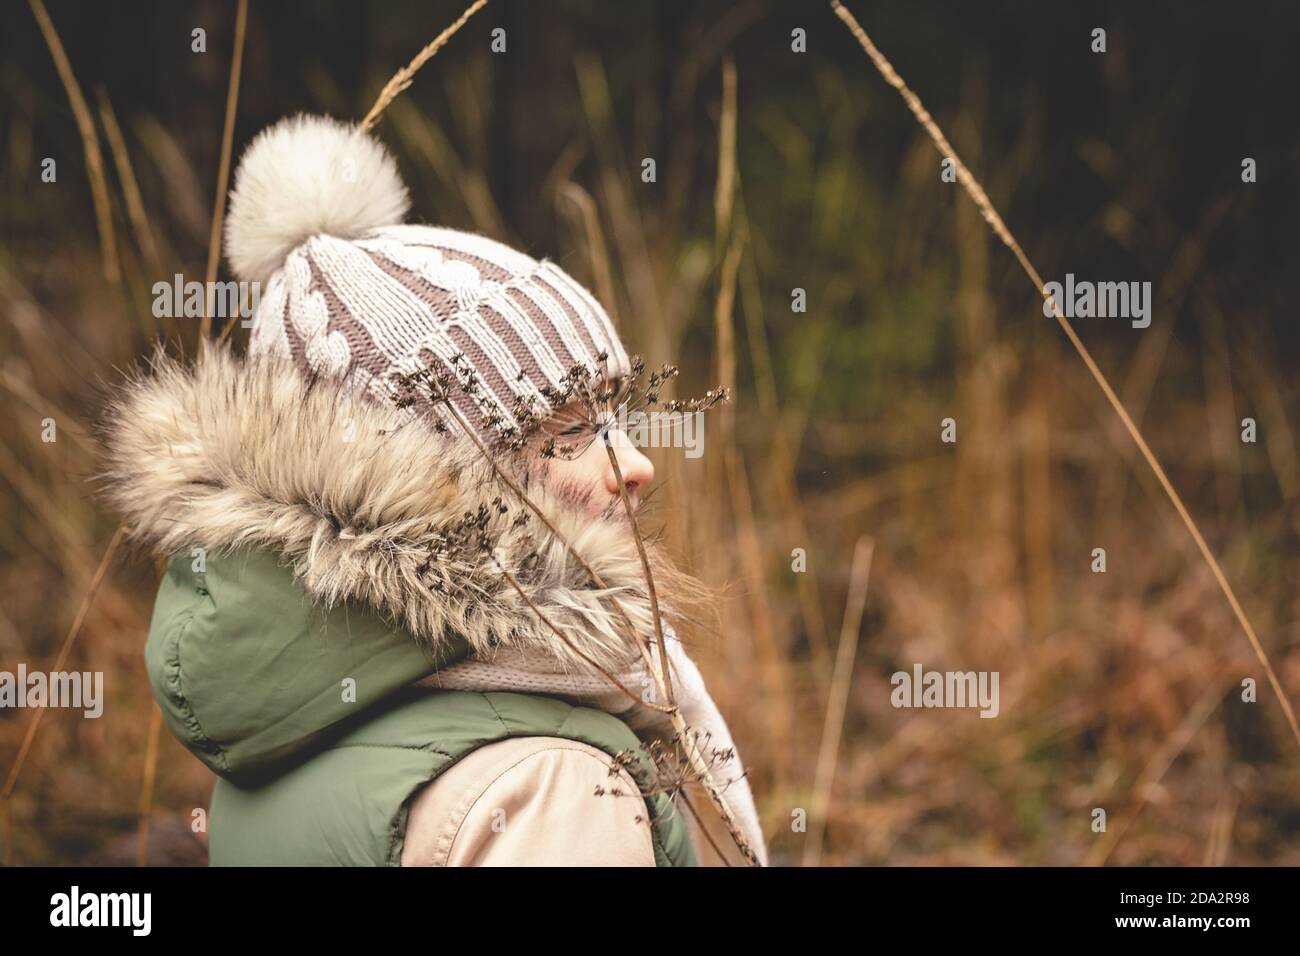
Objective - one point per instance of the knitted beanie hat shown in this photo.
(347, 291)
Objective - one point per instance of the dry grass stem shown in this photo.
(724, 194)
(25, 393)
(976, 192)
(781, 464)
(59, 662)
(777, 685)
(403, 77)
(130, 187)
(1156, 767)
(223, 170)
(90, 144)
(837, 703)
(596, 244)
(147, 785)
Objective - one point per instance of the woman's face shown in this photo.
(585, 472)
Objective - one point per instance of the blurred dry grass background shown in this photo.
(775, 171)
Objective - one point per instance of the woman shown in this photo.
(396, 616)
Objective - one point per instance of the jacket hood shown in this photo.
(366, 504)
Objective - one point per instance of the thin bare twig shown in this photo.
(645, 566)
(688, 743)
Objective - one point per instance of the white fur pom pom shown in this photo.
(308, 176)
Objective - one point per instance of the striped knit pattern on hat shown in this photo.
(349, 292)
(410, 297)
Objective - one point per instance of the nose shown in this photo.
(636, 468)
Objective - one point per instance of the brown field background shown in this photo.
(1118, 690)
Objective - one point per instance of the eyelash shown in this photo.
(581, 425)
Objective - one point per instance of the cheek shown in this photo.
(583, 475)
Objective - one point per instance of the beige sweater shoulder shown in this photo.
(530, 801)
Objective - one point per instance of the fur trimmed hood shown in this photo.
(365, 503)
